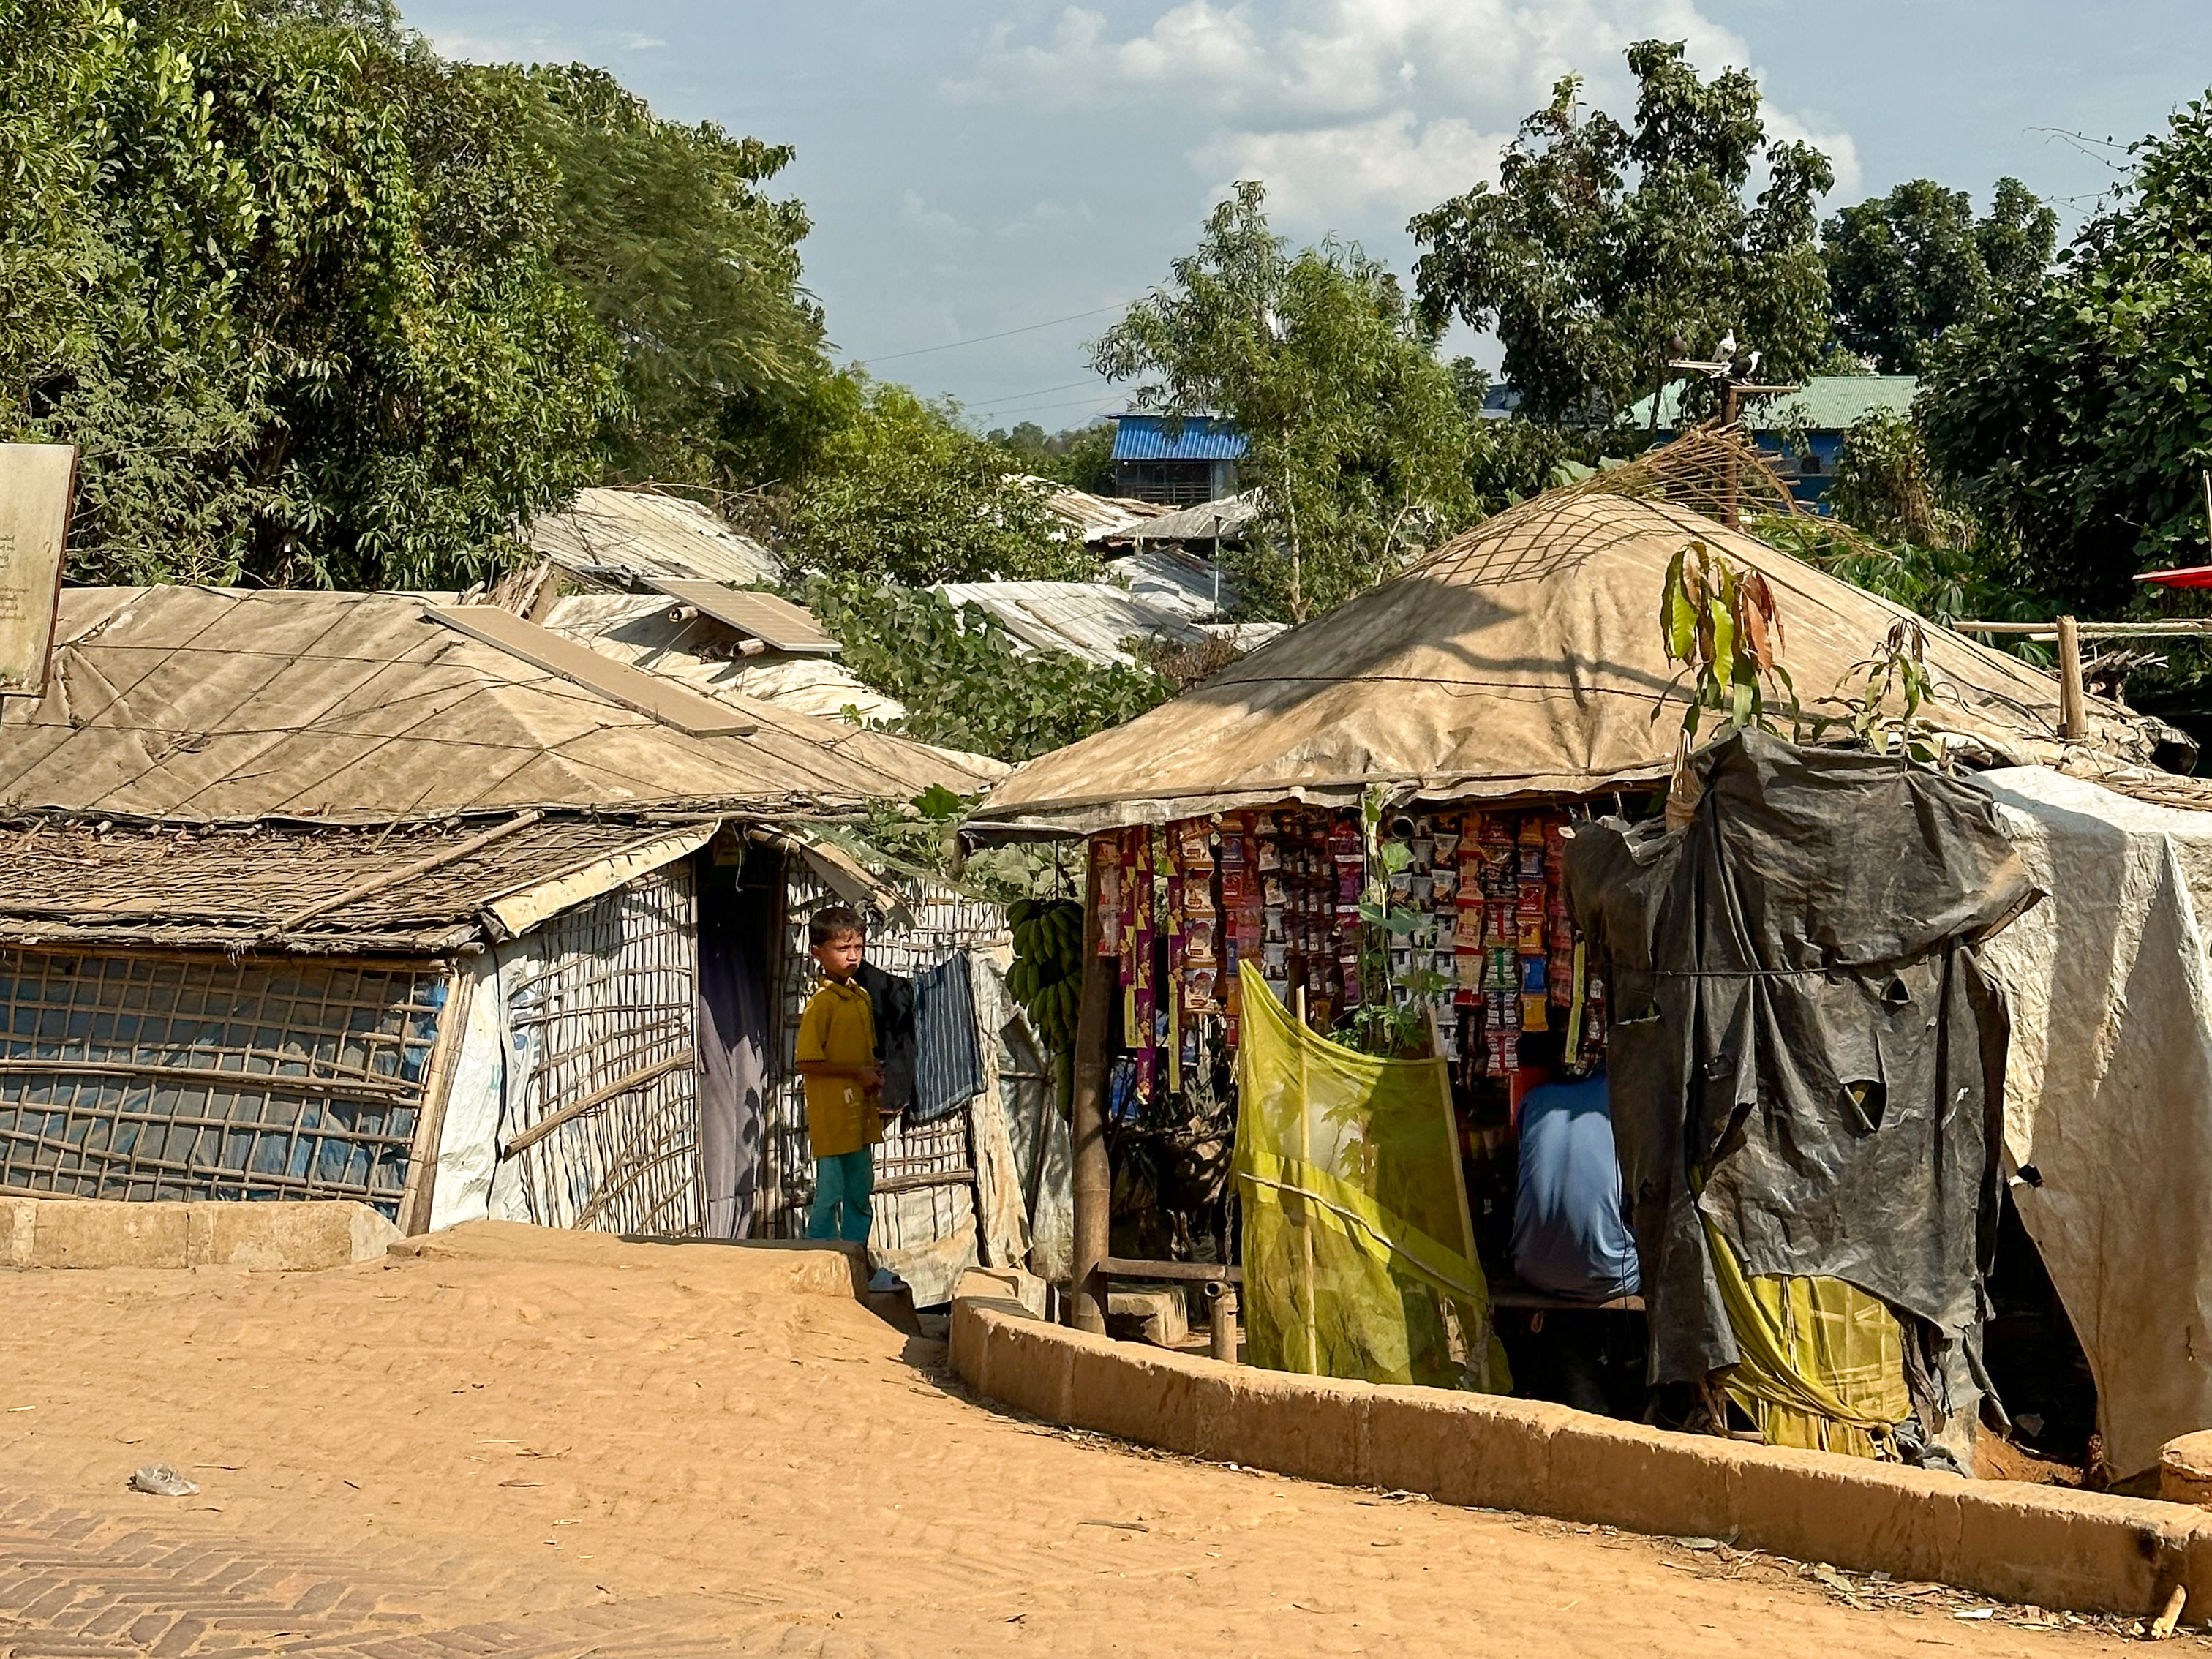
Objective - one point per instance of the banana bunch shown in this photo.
(1047, 976)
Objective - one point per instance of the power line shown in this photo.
(1101, 406)
(1008, 334)
(1023, 398)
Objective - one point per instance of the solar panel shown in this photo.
(778, 623)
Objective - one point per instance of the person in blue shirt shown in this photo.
(1571, 1237)
(1572, 1241)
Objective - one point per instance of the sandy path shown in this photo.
(655, 1439)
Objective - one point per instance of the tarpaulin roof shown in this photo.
(195, 704)
(1523, 658)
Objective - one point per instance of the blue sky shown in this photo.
(986, 167)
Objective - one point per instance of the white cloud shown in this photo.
(1327, 175)
(639, 42)
(1337, 103)
(1843, 154)
(931, 222)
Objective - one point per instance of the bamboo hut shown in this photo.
(357, 896)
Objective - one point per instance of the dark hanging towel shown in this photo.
(1803, 1047)
(948, 1070)
(892, 998)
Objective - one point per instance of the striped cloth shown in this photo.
(948, 1061)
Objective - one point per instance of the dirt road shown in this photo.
(656, 1452)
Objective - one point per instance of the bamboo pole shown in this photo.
(452, 852)
(2073, 716)
(1094, 1173)
(419, 1195)
(1306, 1205)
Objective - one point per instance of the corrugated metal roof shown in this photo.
(198, 704)
(1201, 438)
(1100, 517)
(647, 534)
(1828, 403)
(1168, 576)
(1088, 620)
(1225, 519)
(638, 630)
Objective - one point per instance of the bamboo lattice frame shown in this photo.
(193, 1076)
(606, 1019)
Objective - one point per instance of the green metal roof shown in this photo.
(1831, 403)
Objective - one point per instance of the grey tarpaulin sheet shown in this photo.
(2108, 1095)
(1799, 1024)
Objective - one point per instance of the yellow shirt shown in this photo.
(839, 1028)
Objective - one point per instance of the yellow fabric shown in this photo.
(839, 1028)
(1822, 1363)
(1348, 1168)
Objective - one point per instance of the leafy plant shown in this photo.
(1905, 268)
(1379, 1026)
(965, 681)
(2078, 420)
(903, 494)
(289, 284)
(1898, 669)
(1724, 628)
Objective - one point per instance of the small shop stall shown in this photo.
(1363, 822)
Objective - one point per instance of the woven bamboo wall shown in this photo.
(605, 1013)
(944, 921)
(190, 1076)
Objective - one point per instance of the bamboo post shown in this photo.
(1221, 1320)
(1728, 420)
(1306, 1205)
(2073, 716)
(1094, 1173)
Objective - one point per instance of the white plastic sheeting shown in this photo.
(2108, 1090)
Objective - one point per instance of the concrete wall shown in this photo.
(2083, 1551)
(86, 1232)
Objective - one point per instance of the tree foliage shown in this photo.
(1356, 441)
(964, 680)
(1080, 457)
(2080, 418)
(667, 233)
(902, 493)
(1603, 251)
(287, 283)
(1906, 267)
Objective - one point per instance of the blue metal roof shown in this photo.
(1203, 438)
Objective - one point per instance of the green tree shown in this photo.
(2080, 418)
(1356, 441)
(286, 282)
(1602, 251)
(968, 683)
(1904, 267)
(902, 493)
(1509, 458)
(668, 233)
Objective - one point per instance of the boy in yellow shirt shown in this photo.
(836, 1057)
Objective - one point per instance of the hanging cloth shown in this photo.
(1348, 1170)
(948, 1070)
(1822, 1363)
